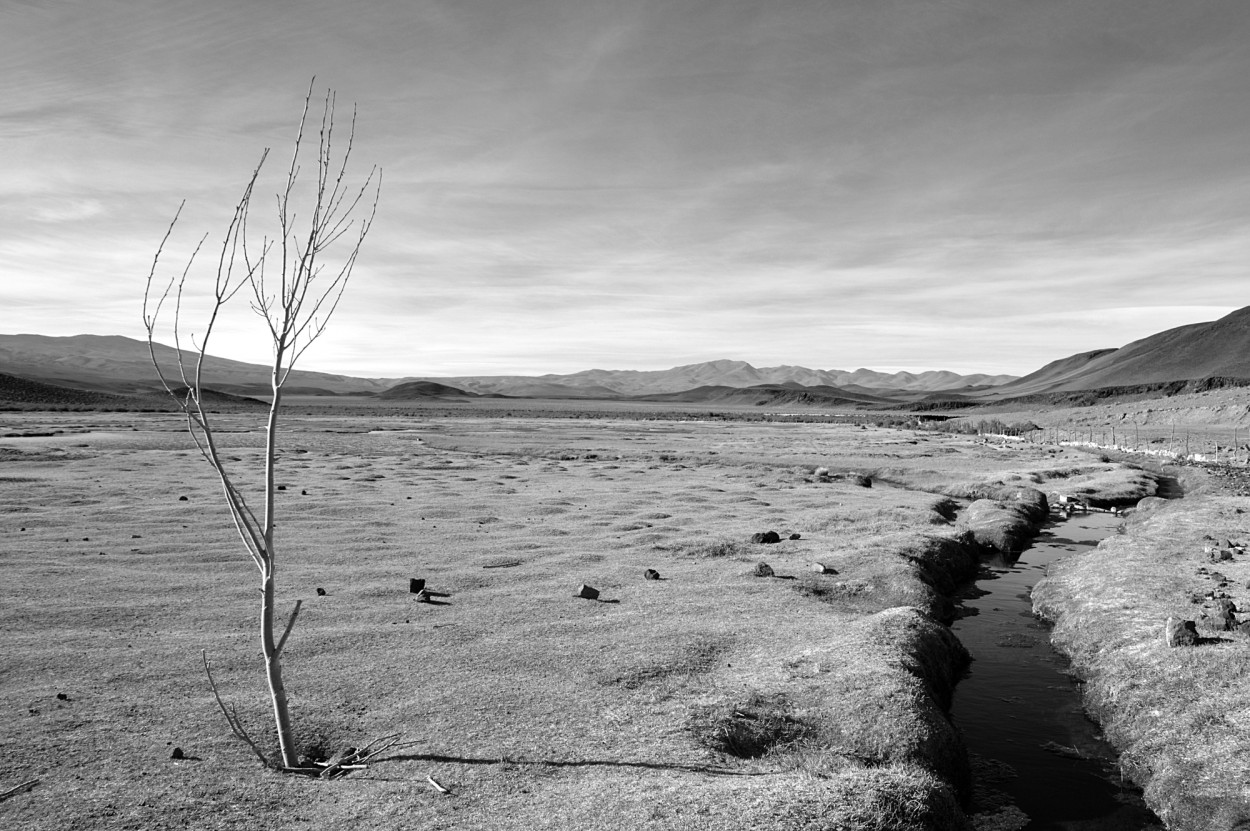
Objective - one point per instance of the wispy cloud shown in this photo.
(969, 185)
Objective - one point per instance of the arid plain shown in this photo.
(709, 698)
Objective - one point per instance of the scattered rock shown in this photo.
(763, 570)
(862, 480)
(821, 568)
(1224, 617)
(651, 574)
(796, 536)
(321, 592)
(182, 499)
(62, 697)
(1179, 632)
(416, 585)
(305, 493)
(587, 592)
(1218, 554)
(766, 537)
(281, 487)
(177, 754)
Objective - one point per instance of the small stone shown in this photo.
(1179, 632)
(182, 499)
(821, 568)
(303, 493)
(416, 585)
(766, 538)
(763, 570)
(177, 754)
(281, 487)
(321, 592)
(587, 592)
(651, 574)
(796, 536)
(62, 697)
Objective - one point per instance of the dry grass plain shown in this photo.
(709, 699)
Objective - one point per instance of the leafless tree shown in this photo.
(294, 286)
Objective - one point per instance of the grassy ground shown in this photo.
(1180, 716)
(711, 698)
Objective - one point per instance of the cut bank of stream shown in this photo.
(1020, 712)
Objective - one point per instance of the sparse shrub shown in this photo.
(714, 548)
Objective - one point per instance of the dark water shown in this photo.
(1021, 714)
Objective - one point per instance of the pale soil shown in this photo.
(537, 709)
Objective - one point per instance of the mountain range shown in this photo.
(117, 365)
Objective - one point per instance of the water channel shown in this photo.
(1032, 746)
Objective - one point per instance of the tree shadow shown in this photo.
(584, 763)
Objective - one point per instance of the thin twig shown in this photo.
(290, 624)
(232, 718)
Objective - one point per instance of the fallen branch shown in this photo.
(22, 788)
(232, 716)
(350, 759)
(436, 785)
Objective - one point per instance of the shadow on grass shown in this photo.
(584, 763)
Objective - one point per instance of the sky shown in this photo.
(963, 185)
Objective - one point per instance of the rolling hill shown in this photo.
(1218, 349)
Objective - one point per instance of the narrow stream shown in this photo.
(1032, 746)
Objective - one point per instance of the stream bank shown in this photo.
(1038, 762)
(1179, 716)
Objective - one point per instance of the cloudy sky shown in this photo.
(972, 185)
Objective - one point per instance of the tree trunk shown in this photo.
(269, 646)
(273, 674)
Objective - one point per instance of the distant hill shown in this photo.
(422, 389)
(601, 383)
(22, 393)
(768, 395)
(1218, 349)
(122, 366)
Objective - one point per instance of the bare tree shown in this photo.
(294, 287)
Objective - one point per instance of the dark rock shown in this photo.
(416, 585)
(796, 536)
(766, 537)
(321, 592)
(281, 487)
(305, 493)
(587, 592)
(862, 480)
(177, 754)
(1219, 555)
(1179, 632)
(182, 499)
(651, 574)
(763, 570)
(62, 697)
(1224, 617)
